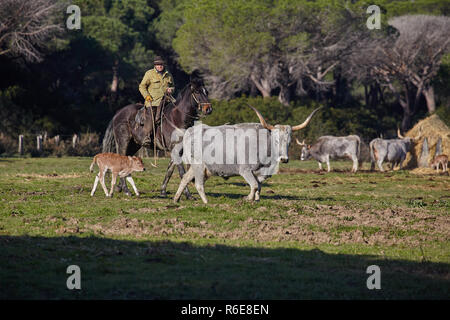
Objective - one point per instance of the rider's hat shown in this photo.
(158, 60)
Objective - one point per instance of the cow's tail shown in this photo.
(372, 156)
(358, 152)
(108, 144)
(94, 161)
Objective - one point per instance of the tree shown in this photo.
(120, 28)
(407, 61)
(273, 46)
(27, 26)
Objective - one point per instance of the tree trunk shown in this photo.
(406, 105)
(285, 96)
(429, 97)
(115, 80)
(262, 85)
(366, 95)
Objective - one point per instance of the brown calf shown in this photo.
(440, 160)
(119, 165)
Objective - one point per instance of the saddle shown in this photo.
(144, 128)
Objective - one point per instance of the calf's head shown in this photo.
(136, 164)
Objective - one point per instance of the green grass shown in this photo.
(312, 235)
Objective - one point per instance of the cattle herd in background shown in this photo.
(393, 151)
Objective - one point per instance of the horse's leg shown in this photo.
(169, 173)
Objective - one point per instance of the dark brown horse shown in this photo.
(125, 136)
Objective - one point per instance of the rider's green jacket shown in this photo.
(154, 84)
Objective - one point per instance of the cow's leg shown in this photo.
(102, 182)
(130, 180)
(328, 163)
(95, 184)
(320, 165)
(254, 184)
(169, 173)
(355, 164)
(380, 164)
(188, 177)
(181, 172)
(200, 178)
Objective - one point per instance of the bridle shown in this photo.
(199, 104)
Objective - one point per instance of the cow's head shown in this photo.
(305, 154)
(282, 138)
(410, 141)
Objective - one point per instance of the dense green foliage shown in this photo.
(88, 74)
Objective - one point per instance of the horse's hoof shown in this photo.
(163, 194)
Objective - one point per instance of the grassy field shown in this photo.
(312, 235)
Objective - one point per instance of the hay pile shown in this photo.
(433, 128)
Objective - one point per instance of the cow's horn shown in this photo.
(261, 119)
(300, 143)
(399, 134)
(304, 124)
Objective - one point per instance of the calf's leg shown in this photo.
(130, 180)
(95, 185)
(113, 182)
(102, 182)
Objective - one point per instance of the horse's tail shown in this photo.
(109, 144)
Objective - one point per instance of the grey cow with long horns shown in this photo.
(251, 150)
(391, 150)
(327, 147)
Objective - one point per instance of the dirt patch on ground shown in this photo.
(49, 176)
(314, 225)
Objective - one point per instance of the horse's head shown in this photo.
(200, 96)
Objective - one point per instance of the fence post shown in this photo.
(74, 140)
(56, 140)
(21, 144)
(39, 143)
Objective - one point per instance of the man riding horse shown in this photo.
(157, 83)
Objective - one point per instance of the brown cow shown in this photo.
(440, 160)
(119, 165)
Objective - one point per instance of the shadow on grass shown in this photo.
(35, 268)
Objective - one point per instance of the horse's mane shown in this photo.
(197, 82)
(183, 91)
